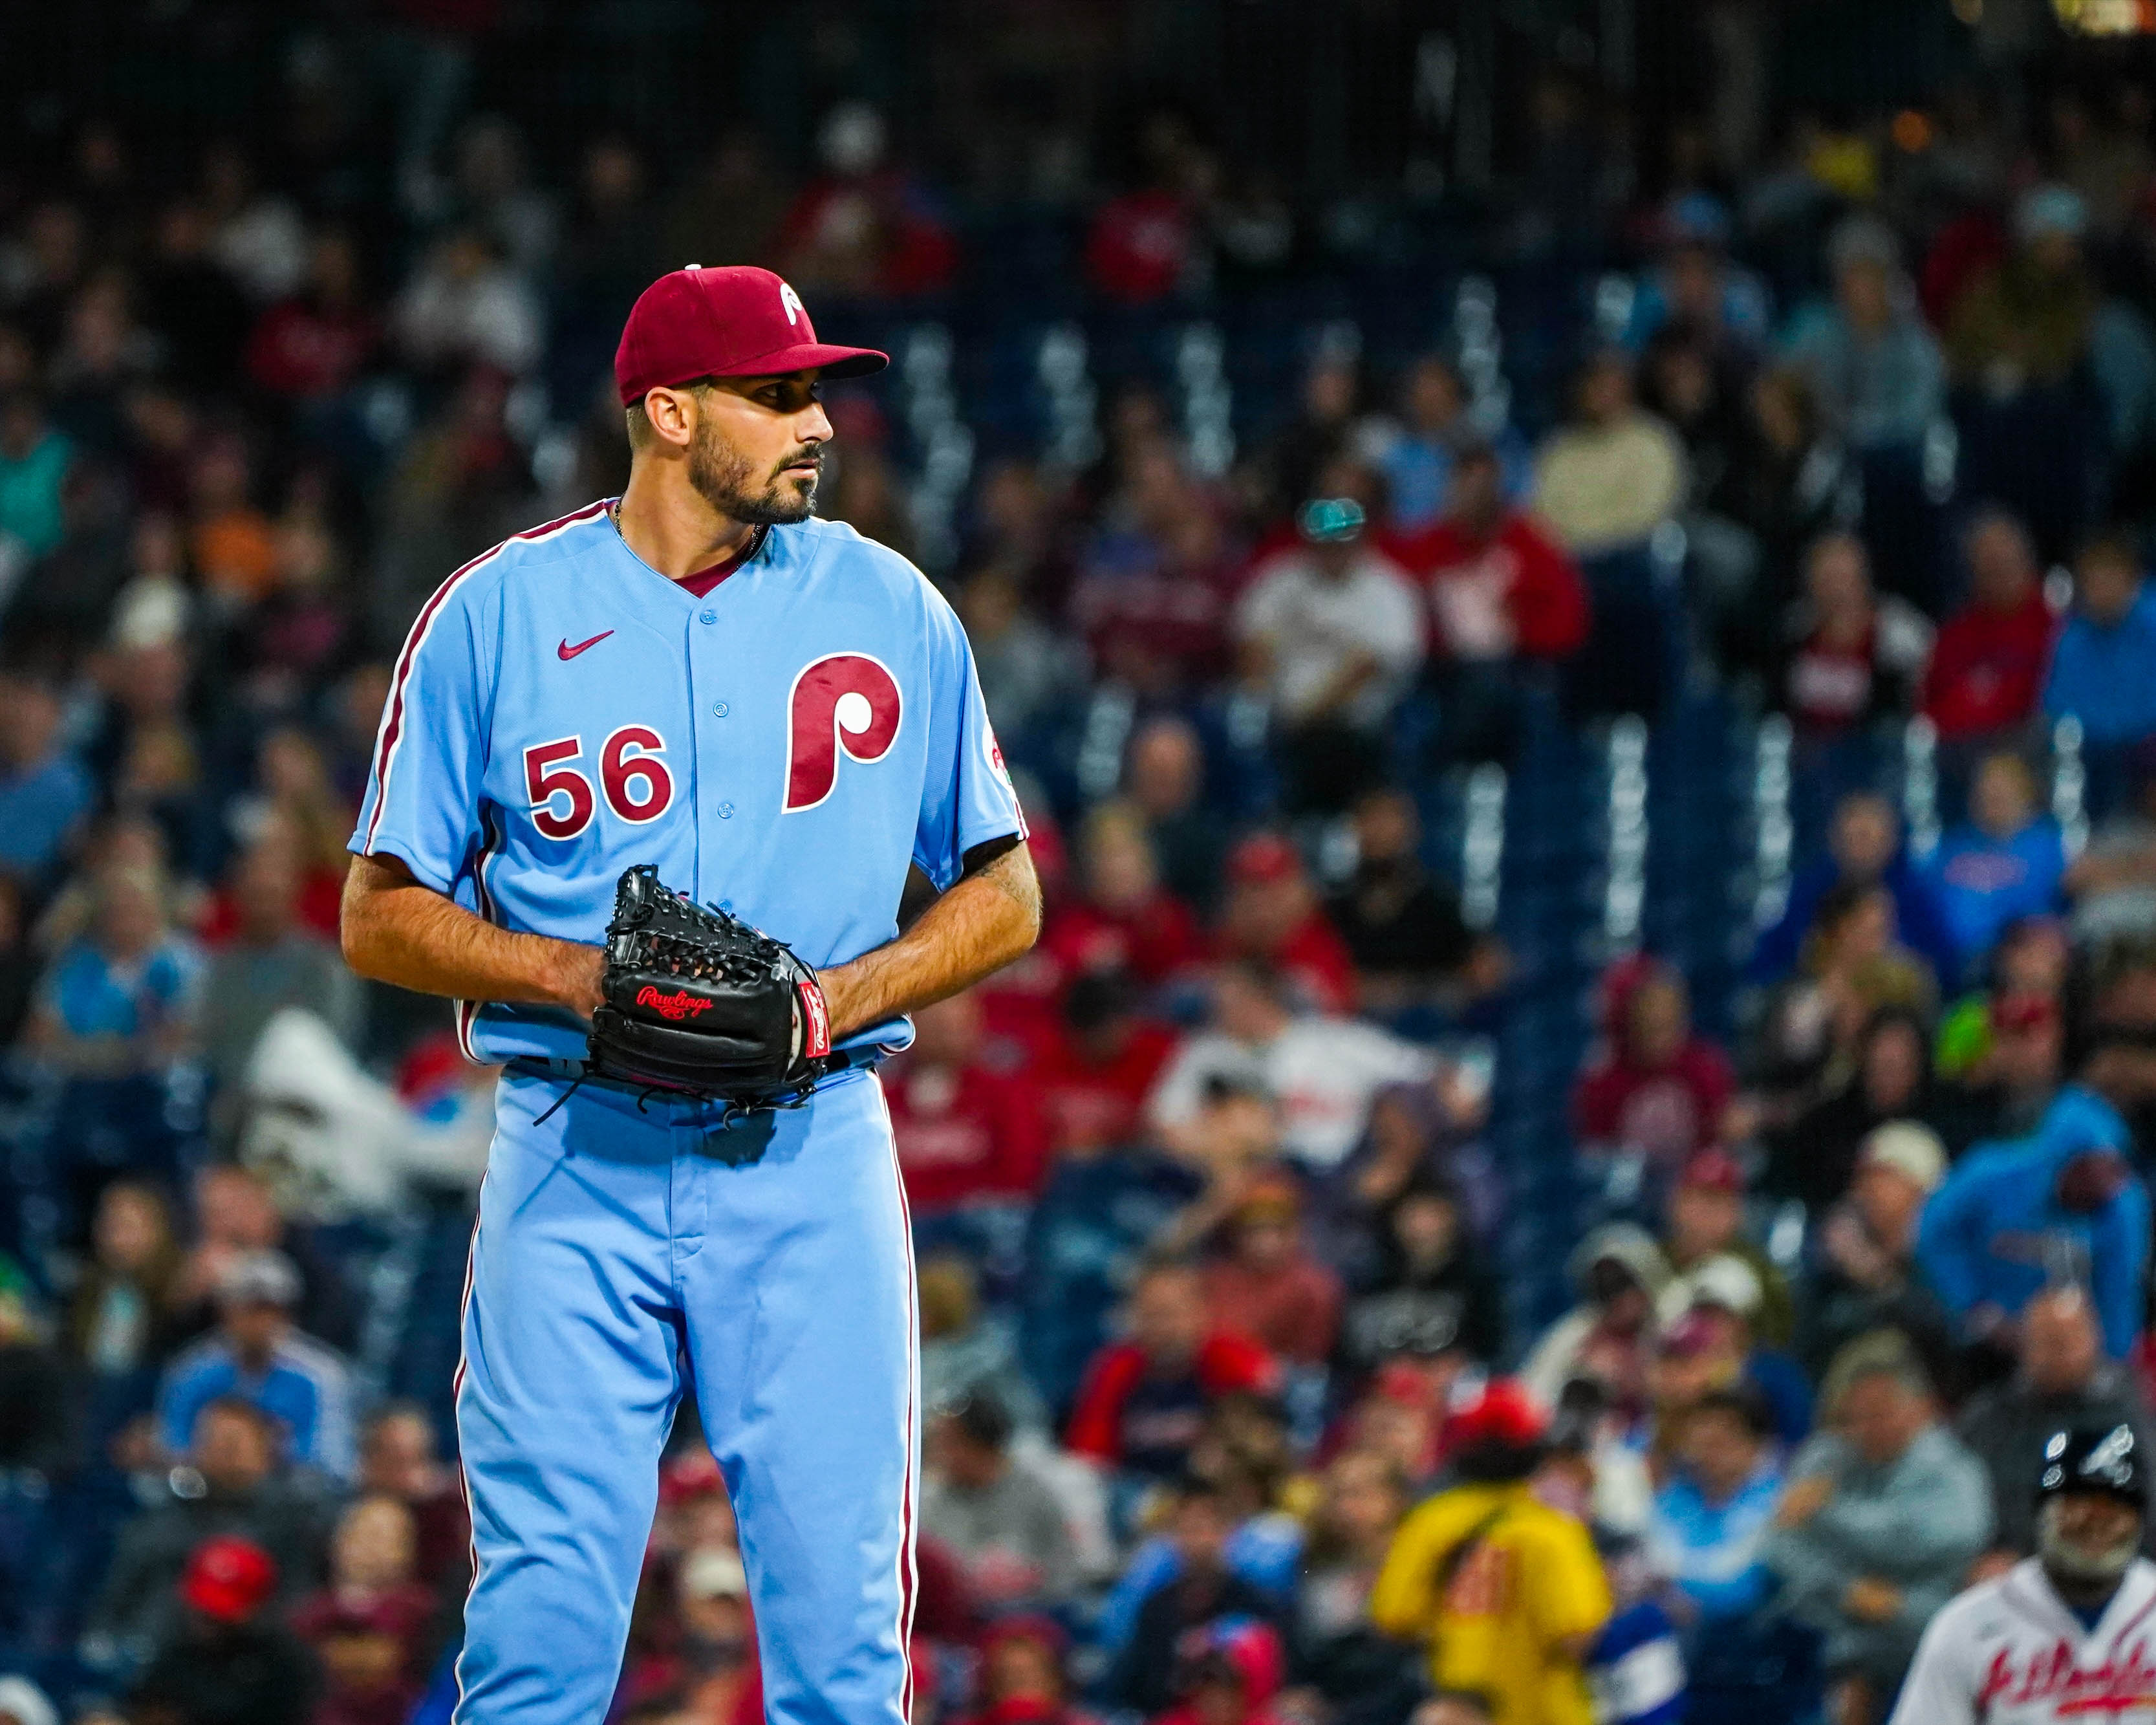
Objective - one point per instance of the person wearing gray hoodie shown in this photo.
(1884, 1514)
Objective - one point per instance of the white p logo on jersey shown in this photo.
(795, 310)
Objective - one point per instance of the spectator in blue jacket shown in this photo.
(2005, 862)
(2063, 1203)
(1709, 1522)
(1864, 844)
(45, 790)
(2103, 664)
(257, 1355)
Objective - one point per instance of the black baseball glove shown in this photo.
(699, 1002)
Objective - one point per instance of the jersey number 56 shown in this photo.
(631, 776)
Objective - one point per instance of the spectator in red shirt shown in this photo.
(864, 229)
(1987, 669)
(1093, 1079)
(1654, 1088)
(1144, 1402)
(1127, 921)
(312, 348)
(1500, 586)
(965, 1132)
(1500, 590)
(1148, 243)
(1267, 1285)
(1273, 915)
(372, 1627)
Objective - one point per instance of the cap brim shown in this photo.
(833, 362)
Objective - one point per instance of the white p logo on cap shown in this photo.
(795, 310)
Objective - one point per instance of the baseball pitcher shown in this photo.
(649, 784)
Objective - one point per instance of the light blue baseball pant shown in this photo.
(624, 1257)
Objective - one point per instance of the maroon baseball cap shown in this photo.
(738, 321)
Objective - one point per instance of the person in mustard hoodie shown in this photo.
(1506, 1592)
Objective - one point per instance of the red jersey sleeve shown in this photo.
(1096, 1415)
(1549, 600)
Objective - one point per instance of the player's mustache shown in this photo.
(809, 457)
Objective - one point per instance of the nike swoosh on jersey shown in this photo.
(568, 652)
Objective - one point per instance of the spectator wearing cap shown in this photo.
(1705, 1221)
(231, 1660)
(1266, 1283)
(374, 1627)
(1874, 367)
(1272, 913)
(1864, 1275)
(1143, 1400)
(229, 1484)
(1656, 1089)
(1203, 1589)
(1329, 632)
(1321, 1072)
(2103, 663)
(1427, 1292)
(1705, 1342)
(1229, 1677)
(2015, 1216)
(23, 1703)
(2062, 1381)
(997, 1518)
(2011, 1045)
(1506, 1592)
(2027, 322)
(1620, 1273)
(256, 1353)
(2007, 861)
(1987, 667)
(1884, 1512)
(1502, 593)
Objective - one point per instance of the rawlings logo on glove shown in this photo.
(675, 1007)
(698, 1002)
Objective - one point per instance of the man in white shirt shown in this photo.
(1322, 1073)
(1331, 630)
(2068, 1634)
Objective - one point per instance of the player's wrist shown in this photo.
(577, 972)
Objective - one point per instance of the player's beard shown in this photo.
(2077, 1564)
(724, 479)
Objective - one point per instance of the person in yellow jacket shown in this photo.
(1506, 1591)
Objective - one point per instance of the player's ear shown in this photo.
(671, 415)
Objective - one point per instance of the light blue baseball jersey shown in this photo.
(783, 747)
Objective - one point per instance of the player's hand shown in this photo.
(1803, 1500)
(1869, 1600)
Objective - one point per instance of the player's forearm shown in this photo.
(990, 917)
(397, 931)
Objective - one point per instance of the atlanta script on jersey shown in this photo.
(782, 747)
(2008, 1652)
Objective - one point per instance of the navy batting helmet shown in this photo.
(2094, 1459)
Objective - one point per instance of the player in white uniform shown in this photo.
(2068, 1634)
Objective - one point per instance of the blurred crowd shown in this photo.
(1244, 1408)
